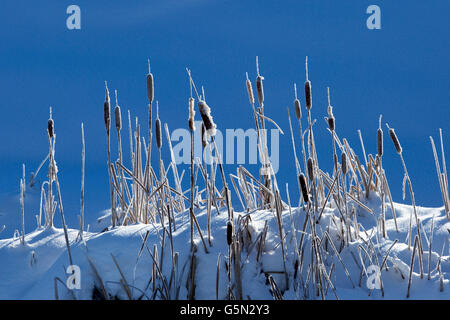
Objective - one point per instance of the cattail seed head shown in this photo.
(107, 109)
(259, 85)
(191, 114)
(331, 123)
(208, 121)
(50, 128)
(308, 94)
(158, 128)
(229, 232)
(298, 111)
(380, 139)
(344, 163)
(158, 133)
(204, 136)
(380, 142)
(118, 117)
(310, 168)
(304, 188)
(260, 89)
(330, 118)
(395, 140)
(150, 90)
(249, 90)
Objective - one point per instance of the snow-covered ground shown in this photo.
(29, 271)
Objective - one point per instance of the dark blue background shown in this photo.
(400, 71)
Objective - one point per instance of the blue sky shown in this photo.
(400, 71)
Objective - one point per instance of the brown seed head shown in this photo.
(304, 188)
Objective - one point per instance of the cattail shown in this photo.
(310, 169)
(204, 136)
(229, 232)
(117, 115)
(107, 109)
(394, 138)
(330, 118)
(380, 139)
(249, 90)
(307, 88)
(344, 163)
(259, 85)
(50, 127)
(297, 106)
(302, 180)
(191, 114)
(298, 111)
(158, 128)
(150, 90)
(208, 121)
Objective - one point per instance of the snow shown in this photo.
(29, 271)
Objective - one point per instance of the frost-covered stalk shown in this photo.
(22, 204)
(83, 158)
(399, 150)
(266, 167)
(192, 129)
(107, 118)
(313, 154)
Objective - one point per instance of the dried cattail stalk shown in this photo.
(308, 99)
(259, 85)
(118, 115)
(304, 188)
(249, 90)
(158, 128)
(107, 109)
(191, 114)
(380, 139)
(395, 140)
(208, 121)
(150, 91)
(310, 169)
(344, 163)
(229, 232)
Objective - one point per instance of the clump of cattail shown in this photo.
(117, 115)
(191, 114)
(395, 140)
(259, 85)
(310, 169)
(344, 163)
(208, 121)
(308, 98)
(249, 90)
(304, 188)
(229, 232)
(297, 106)
(107, 109)
(380, 139)
(158, 128)
(150, 91)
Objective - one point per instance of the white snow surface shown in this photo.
(29, 271)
